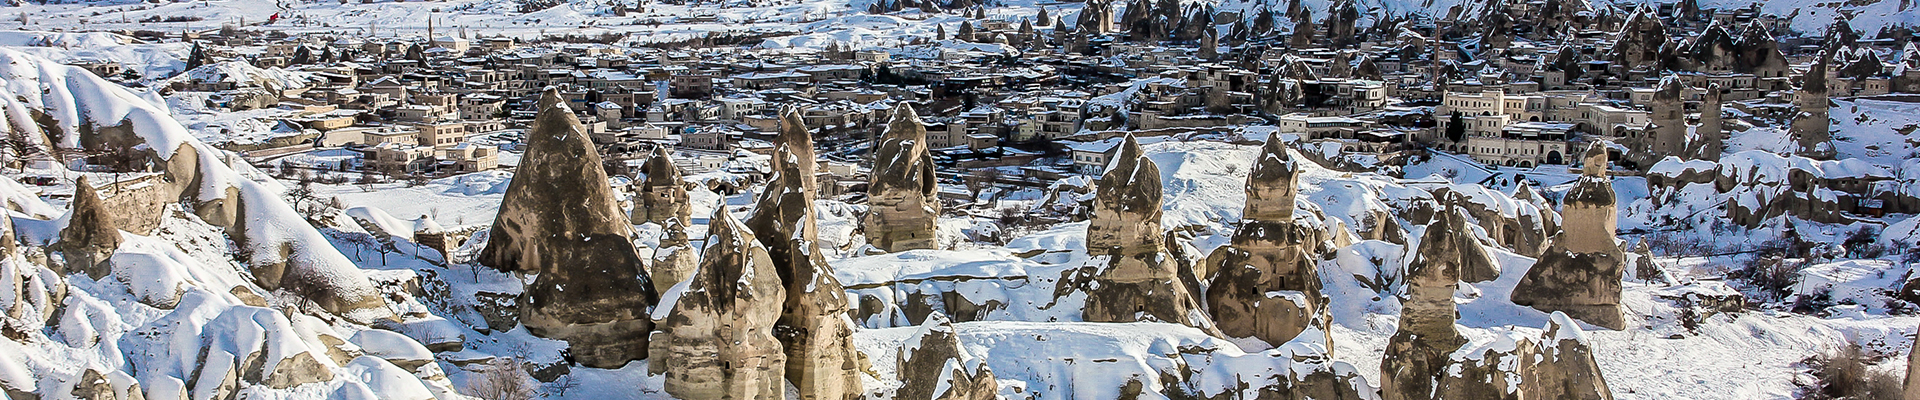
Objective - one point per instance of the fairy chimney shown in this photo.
(717, 342)
(559, 220)
(814, 327)
(903, 198)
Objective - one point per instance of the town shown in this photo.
(959, 199)
(1026, 100)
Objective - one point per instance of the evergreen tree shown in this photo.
(196, 58)
(1042, 17)
(939, 32)
(1457, 127)
(302, 56)
(966, 31)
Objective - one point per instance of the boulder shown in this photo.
(559, 219)
(1130, 275)
(1265, 284)
(813, 327)
(903, 197)
(717, 340)
(90, 236)
(1580, 272)
(933, 366)
(1417, 354)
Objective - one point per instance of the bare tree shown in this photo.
(981, 179)
(504, 379)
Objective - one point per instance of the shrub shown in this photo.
(1848, 373)
(504, 379)
(1771, 277)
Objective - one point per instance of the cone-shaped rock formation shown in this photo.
(1417, 353)
(933, 366)
(1130, 276)
(1580, 271)
(663, 201)
(90, 236)
(717, 342)
(903, 198)
(559, 219)
(1264, 283)
(814, 328)
(1557, 365)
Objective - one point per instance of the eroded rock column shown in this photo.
(814, 327)
(717, 342)
(1580, 271)
(1132, 277)
(903, 198)
(1265, 285)
(1417, 353)
(663, 201)
(559, 219)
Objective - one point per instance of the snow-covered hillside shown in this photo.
(798, 22)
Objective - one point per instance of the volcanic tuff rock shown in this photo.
(1711, 141)
(663, 201)
(1265, 285)
(717, 342)
(1557, 365)
(1416, 355)
(1643, 41)
(1580, 271)
(90, 236)
(903, 199)
(814, 328)
(1476, 261)
(1535, 227)
(1913, 374)
(934, 366)
(663, 195)
(1130, 275)
(1810, 126)
(1669, 116)
(559, 219)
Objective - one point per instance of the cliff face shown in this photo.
(814, 327)
(559, 219)
(903, 201)
(717, 342)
